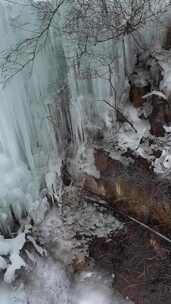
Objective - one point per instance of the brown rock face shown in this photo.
(157, 121)
(160, 116)
(136, 94)
(168, 115)
(80, 263)
(167, 44)
(140, 262)
(134, 191)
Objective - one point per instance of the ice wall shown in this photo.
(87, 108)
(26, 137)
(43, 112)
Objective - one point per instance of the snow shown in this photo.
(48, 283)
(16, 263)
(93, 296)
(3, 264)
(39, 210)
(9, 295)
(167, 129)
(155, 93)
(54, 171)
(85, 162)
(91, 288)
(162, 165)
(145, 109)
(17, 189)
(10, 250)
(127, 137)
(164, 59)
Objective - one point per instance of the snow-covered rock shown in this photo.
(162, 165)
(127, 137)
(155, 93)
(10, 253)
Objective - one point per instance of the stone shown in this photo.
(133, 191)
(80, 263)
(157, 120)
(167, 42)
(136, 94)
(139, 86)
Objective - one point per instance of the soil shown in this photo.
(141, 263)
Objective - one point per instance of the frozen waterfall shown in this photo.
(42, 113)
(25, 136)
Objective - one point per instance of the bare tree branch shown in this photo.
(85, 23)
(122, 117)
(24, 52)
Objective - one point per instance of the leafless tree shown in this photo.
(94, 22)
(88, 26)
(87, 23)
(24, 52)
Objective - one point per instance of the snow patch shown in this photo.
(155, 93)
(127, 137)
(85, 162)
(162, 165)
(9, 295)
(10, 250)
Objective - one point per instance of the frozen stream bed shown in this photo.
(52, 279)
(50, 285)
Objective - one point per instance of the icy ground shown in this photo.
(51, 286)
(49, 279)
(141, 143)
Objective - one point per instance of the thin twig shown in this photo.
(105, 204)
(121, 114)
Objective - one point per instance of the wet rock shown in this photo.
(139, 86)
(157, 128)
(47, 283)
(80, 263)
(157, 153)
(65, 175)
(106, 252)
(105, 164)
(168, 114)
(155, 71)
(136, 94)
(167, 42)
(160, 114)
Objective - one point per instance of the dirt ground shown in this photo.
(141, 263)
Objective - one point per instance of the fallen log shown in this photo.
(134, 191)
